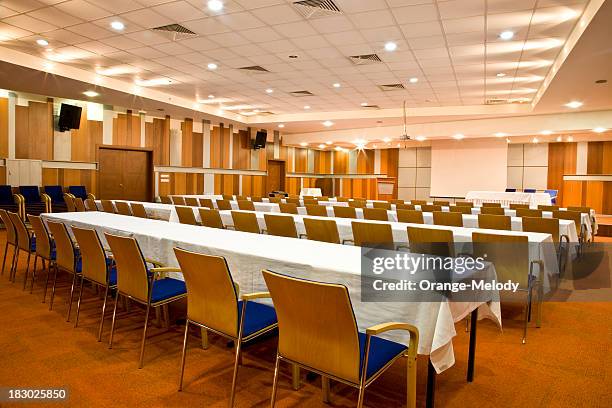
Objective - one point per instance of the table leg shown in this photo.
(472, 349)
(431, 385)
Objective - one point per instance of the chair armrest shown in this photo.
(89, 195)
(255, 295)
(165, 269)
(344, 241)
(154, 262)
(384, 327)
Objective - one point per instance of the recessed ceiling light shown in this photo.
(48, 65)
(574, 104)
(293, 56)
(364, 104)
(413, 80)
(215, 5)
(500, 134)
(387, 139)
(281, 126)
(328, 123)
(390, 46)
(546, 132)
(269, 90)
(212, 66)
(329, 142)
(211, 96)
(599, 130)
(303, 144)
(336, 85)
(340, 149)
(500, 75)
(506, 35)
(91, 94)
(570, 139)
(42, 42)
(458, 136)
(307, 107)
(420, 138)
(535, 140)
(322, 146)
(559, 139)
(117, 25)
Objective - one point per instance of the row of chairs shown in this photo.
(35, 200)
(214, 304)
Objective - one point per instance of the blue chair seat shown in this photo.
(112, 279)
(6, 195)
(55, 193)
(381, 352)
(78, 191)
(258, 317)
(167, 288)
(511, 190)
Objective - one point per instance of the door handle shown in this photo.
(121, 185)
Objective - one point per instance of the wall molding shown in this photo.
(200, 170)
(335, 176)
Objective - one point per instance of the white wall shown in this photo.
(414, 173)
(528, 166)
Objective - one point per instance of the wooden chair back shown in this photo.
(245, 222)
(93, 257)
(65, 253)
(178, 200)
(132, 272)
(107, 206)
(384, 206)
(280, 225)
(492, 210)
(451, 219)
(69, 200)
(528, 212)
(185, 215)
(516, 206)
(24, 240)
(543, 225)
(410, 216)
(138, 210)
(491, 221)
(509, 254)
(366, 234)
(11, 234)
(246, 205)
(316, 210)
(441, 203)
(344, 212)
(288, 208)
(123, 208)
(165, 200)
(491, 205)
(460, 209)
(437, 242)
(43, 240)
(377, 214)
(211, 218)
(224, 204)
(430, 207)
(79, 204)
(206, 202)
(90, 205)
(192, 201)
(322, 230)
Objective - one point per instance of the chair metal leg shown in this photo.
(144, 336)
(361, 396)
(180, 387)
(14, 265)
(54, 285)
(527, 312)
(76, 319)
(236, 364)
(110, 340)
(74, 281)
(47, 280)
(295, 376)
(103, 311)
(325, 388)
(275, 382)
(34, 272)
(204, 333)
(4, 259)
(25, 278)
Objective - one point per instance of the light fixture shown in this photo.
(599, 130)
(269, 90)
(413, 80)
(307, 107)
(42, 42)
(281, 126)
(322, 146)
(329, 142)
(212, 66)
(117, 25)
(303, 144)
(215, 5)
(91, 94)
(500, 75)
(420, 138)
(500, 134)
(458, 136)
(257, 111)
(390, 46)
(48, 65)
(559, 139)
(211, 96)
(387, 139)
(546, 132)
(336, 85)
(535, 140)
(364, 104)
(574, 104)
(153, 82)
(570, 138)
(506, 35)
(340, 149)
(328, 123)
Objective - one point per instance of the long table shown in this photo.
(478, 197)
(247, 254)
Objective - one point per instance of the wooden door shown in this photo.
(125, 174)
(276, 176)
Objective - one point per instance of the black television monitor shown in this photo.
(69, 117)
(260, 139)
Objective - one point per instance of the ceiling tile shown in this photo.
(82, 9)
(461, 8)
(262, 34)
(331, 24)
(464, 25)
(56, 16)
(206, 26)
(373, 19)
(240, 21)
(277, 14)
(179, 11)
(415, 14)
(32, 24)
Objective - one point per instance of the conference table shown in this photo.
(478, 197)
(248, 254)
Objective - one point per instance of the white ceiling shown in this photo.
(451, 46)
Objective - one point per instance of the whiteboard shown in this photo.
(459, 166)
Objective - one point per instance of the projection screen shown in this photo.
(459, 166)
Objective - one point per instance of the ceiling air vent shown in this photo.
(391, 87)
(496, 101)
(301, 93)
(316, 8)
(370, 106)
(175, 31)
(254, 68)
(365, 59)
(265, 113)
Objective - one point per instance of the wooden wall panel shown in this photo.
(34, 131)
(4, 119)
(22, 132)
(83, 141)
(599, 157)
(241, 151)
(157, 137)
(562, 160)
(126, 130)
(71, 177)
(389, 163)
(301, 160)
(187, 143)
(341, 165)
(2, 175)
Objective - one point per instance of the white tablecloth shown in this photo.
(478, 197)
(247, 254)
(314, 192)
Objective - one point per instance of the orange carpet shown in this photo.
(566, 363)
